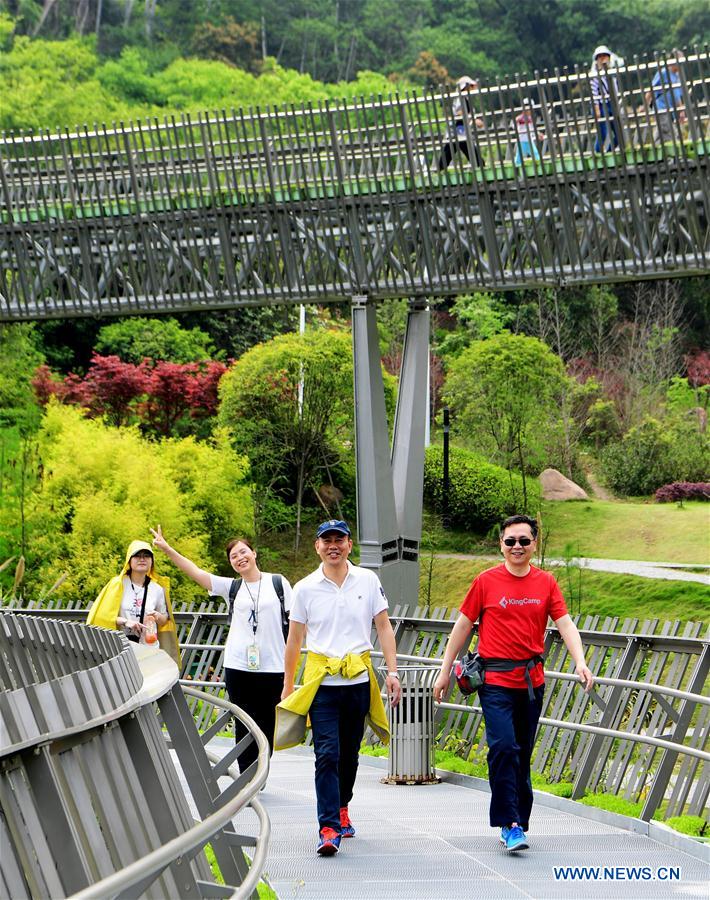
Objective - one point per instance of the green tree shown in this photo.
(655, 453)
(502, 392)
(19, 358)
(139, 338)
(290, 445)
(229, 42)
(103, 487)
(480, 315)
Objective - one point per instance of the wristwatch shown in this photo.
(393, 675)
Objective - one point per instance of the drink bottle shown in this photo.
(151, 632)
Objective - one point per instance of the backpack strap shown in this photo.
(278, 583)
(233, 591)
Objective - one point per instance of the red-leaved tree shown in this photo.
(697, 365)
(112, 385)
(163, 396)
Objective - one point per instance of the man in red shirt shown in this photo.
(512, 602)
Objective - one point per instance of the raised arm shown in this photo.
(570, 635)
(198, 575)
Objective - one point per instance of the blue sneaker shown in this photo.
(329, 842)
(504, 832)
(515, 839)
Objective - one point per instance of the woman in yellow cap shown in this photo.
(137, 602)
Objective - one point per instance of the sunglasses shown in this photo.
(523, 541)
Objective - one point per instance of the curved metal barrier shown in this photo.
(641, 735)
(91, 800)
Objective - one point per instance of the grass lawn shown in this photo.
(608, 529)
(587, 593)
(662, 532)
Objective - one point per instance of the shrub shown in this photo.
(683, 490)
(480, 494)
(693, 825)
(656, 453)
(102, 487)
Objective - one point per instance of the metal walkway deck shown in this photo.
(434, 843)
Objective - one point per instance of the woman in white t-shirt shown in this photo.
(254, 652)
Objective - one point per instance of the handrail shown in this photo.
(596, 729)
(257, 114)
(157, 860)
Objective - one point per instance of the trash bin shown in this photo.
(411, 722)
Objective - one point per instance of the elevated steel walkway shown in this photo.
(434, 843)
(332, 201)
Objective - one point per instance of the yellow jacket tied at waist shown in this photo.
(292, 713)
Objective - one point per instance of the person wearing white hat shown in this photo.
(604, 88)
(462, 109)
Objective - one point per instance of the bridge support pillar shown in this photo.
(390, 482)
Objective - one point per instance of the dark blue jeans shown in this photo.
(511, 722)
(338, 722)
(606, 127)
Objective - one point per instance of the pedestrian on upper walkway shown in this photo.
(512, 603)
(334, 608)
(254, 652)
(666, 98)
(463, 112)
(605, 97)
(137, 603)
(527, 134)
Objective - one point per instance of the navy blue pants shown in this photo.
(606, 127)
(338, 722)
(511, 722)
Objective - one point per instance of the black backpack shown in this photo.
(278, 584)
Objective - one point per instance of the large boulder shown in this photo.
(556, 487)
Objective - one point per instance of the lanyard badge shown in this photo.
(253, 648)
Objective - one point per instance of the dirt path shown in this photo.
(598, 491)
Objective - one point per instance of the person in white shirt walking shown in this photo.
(254, 652)
(335, 608)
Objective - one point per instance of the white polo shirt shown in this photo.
(338, 620)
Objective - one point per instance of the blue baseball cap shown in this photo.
(333, 525)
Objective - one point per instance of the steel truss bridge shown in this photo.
(334, 202)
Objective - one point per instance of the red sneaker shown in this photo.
(346, 826)
(329, 842)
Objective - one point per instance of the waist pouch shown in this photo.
(470, 670)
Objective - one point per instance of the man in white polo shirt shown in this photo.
(335, 607)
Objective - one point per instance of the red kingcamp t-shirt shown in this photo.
(515, 612)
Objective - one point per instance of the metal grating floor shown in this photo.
(433, 842)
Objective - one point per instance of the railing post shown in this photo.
(687, 709)
(595, 755)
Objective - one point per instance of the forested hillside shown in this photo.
(332, 40)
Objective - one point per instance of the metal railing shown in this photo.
(641, 735)
(91, 801)
(342, 199)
